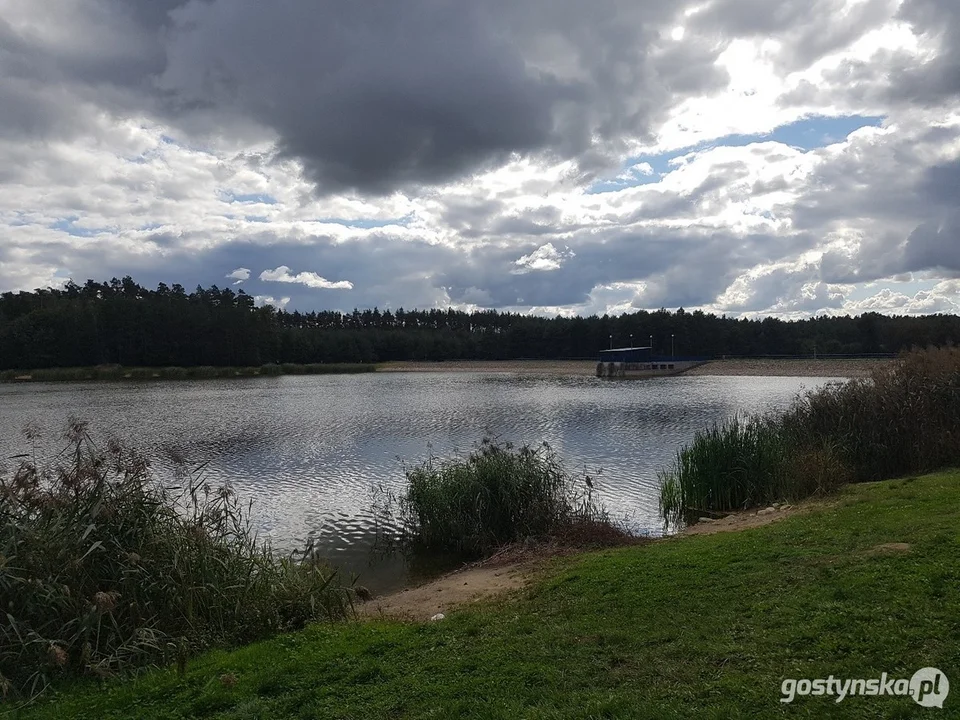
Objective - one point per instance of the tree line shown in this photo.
(122, 322)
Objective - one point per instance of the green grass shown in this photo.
(203, 372)
(700, 626)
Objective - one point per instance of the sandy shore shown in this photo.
(517, 567)
(764, 367)
(769, 367)
(526, 367)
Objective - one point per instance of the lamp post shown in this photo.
(671, 345)
(651, 344)
(631, 339)
(611, 342)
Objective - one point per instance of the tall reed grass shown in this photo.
(102, 569)
(904, 419)
(494, 496)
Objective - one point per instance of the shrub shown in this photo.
(107, 372)
(904, 419)
(140, 373)
(203, 372)
(495, 496)
(102, 569)
(173, 373)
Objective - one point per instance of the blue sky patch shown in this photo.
(263, 198)
(366, 223)
(68, 225)
(807, 134)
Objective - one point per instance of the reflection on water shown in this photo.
(311, 451)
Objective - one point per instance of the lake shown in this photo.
(314, 452)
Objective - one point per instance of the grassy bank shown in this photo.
(202, 372)
(902, 419)
(699, 626)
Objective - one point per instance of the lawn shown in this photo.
(702, 626)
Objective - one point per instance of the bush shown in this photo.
(103, 569)
(173, 373)
(495, 496)
(904, 419)
(203, 372)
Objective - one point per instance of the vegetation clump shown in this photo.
(903, 419)
(102, 569)
(202, 372)
(496, 495)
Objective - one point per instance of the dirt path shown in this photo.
(442, 595)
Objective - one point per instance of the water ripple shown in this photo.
(311, 450)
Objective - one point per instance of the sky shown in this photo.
(783, 158)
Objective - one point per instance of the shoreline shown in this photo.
(759, 367)
(516, 567)
(752, 367)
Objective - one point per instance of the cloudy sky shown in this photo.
(751, 157)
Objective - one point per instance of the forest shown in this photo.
(122, 322)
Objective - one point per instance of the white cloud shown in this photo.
(310, 279)
(544, 258)
(240, 274)
(263, 300)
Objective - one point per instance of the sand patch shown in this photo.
(774, 367)
(440, 596)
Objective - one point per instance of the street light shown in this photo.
(631, 339)
(651, 344)
(671, 345)
(611, 342)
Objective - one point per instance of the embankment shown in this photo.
(706, 626)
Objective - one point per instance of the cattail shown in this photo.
(105, 601)
(56, 655)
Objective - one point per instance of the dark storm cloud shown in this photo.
(99, 54)
(938, 79)
(373, 96)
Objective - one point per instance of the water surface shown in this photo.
(313, 451)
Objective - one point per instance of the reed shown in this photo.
(901, 420)
(734, 464)
(494, 496)
(103, 569)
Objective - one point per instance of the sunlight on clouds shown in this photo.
(310, 279)
(544, 258)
